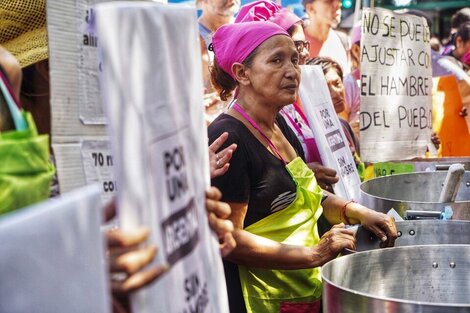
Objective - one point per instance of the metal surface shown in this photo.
(415, 191)
(415, 233)
(452, 183)
(436, 164)
(424, 279)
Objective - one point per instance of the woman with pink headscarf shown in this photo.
(265, 10)
(274, 197)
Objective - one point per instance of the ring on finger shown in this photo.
(217, 163)
(217, 157)
(119, 276)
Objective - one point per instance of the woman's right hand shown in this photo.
(333, 242)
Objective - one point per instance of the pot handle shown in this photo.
(442, 167)
(423, 215)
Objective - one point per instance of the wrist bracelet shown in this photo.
(343, 212)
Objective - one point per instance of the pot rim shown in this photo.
(383, 298)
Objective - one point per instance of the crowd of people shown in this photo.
(272, 203)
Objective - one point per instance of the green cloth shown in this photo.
(264, 290)
(25, 169)
(391, 168)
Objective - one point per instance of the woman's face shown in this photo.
(461, 47)
(335, 85)
(301, 44)
(274, 73)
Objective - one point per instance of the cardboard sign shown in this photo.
(76, 109)
(89, 66)
(395, 86)
(99, 166)
(52, 256)
(152, 86)
(328, 132)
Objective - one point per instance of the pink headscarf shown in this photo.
(264, 10)
(233, 43)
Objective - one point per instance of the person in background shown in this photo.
(334, 78)
(273, 195)
(324, 16)
(460, 55)
(265, 10)
(460, 17)
(215, 13)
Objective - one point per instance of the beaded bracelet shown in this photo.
(343, 212)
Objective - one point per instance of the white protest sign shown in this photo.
(53, 256)
(152, 86)
(328, 132)
(395, 86)
(76, 109)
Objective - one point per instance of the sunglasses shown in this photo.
(300, 45)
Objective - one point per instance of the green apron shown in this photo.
(286, 291)
(264, 290)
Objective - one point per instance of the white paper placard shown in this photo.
(99, 166)
(89, 65)
(76, 108)
(395, 86)
(328, 132)
(153, 98)
(53, 256)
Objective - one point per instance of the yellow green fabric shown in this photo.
(25, 169)
(387, 168)
(263, 289)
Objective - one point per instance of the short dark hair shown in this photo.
(464, 32)
(327, 64)
(460, 17)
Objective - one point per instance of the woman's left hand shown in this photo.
(382, 225)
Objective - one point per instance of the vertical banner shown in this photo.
(152, 89)
(52, 256)
(78, 120)
(395, 86)
(331, 141)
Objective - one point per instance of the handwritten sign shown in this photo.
(154, 101)
(395, 86)
(328, 132)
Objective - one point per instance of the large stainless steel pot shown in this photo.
(415, 191)
(415, 279)
(415, 233)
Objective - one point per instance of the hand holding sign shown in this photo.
(218, 213)
(128, 258)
